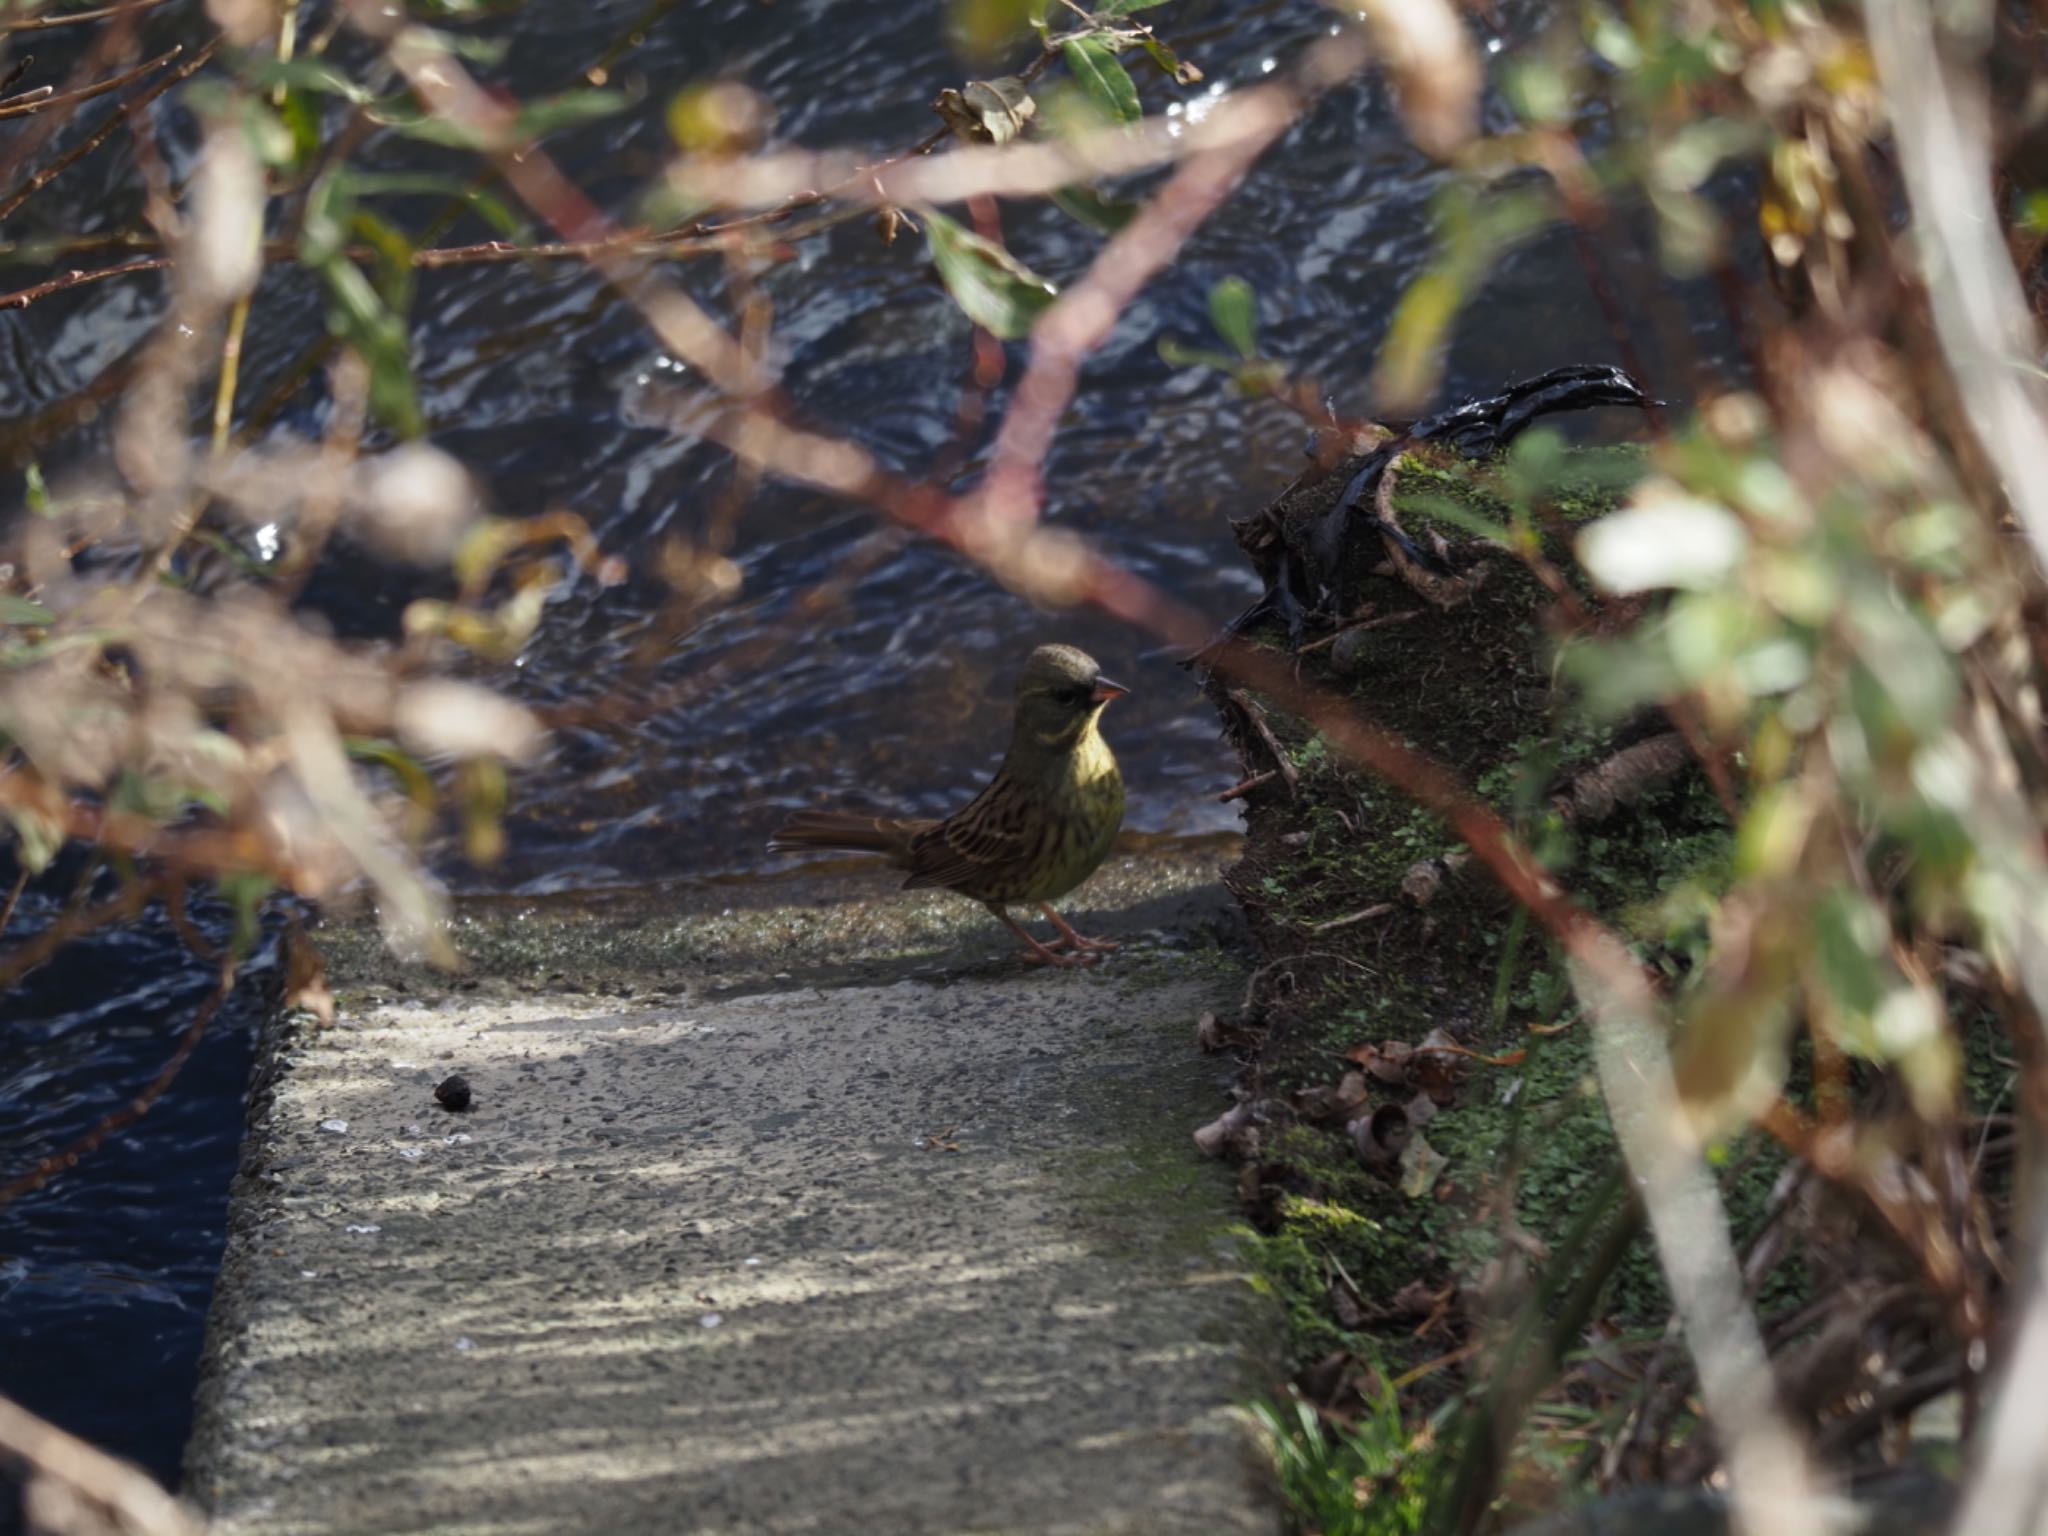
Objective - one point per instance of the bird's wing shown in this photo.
(988, 833)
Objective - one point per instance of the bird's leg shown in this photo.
(1037, 953)
(1072, 939)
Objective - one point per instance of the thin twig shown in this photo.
(41, 98)
(230, 372)
(1353, 628)
(1245, 786)
(13, 897)
(1378, 909)
(73, 18)
(106, 130)
(32, 952)
(1256, 718)
(21, 298)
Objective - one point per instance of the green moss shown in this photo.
(1473, 687)
(1296, 1273)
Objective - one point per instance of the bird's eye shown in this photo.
(1080, 693)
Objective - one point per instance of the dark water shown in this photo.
(554, 393)
(105, 1272)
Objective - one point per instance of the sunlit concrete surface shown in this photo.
(905, 1256)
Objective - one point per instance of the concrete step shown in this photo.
(922, 1250)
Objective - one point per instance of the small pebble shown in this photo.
(711, 1319)
(465, 1343)
(338, 1127)
(453, 1094)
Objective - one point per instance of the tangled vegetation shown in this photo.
(1763, 999)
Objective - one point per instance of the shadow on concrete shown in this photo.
(901, 1258)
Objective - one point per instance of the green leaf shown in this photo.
(1109, 10)
(358, 315)
(487, 205)
(1849, 933)
(1170, 63)
(570, 110)
(240, 558)
(369, 317)
(37, 839)
(1411, 357)
(1234, 312)
(489, 52)
(245, 892)
(1106, 215)
(1175, 355)
(1092, 63)
(309, 75)
(535, 120)
(394, 258)
(323, 228)
(15, 609)
(417, 783)
(37, 490)
(301, 119)
(994, 289)
(984, 30)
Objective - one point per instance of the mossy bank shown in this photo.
(1373, 931)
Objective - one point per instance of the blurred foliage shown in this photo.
(1821, 579)
(1817, 578)
(1361, 1478)
(160, 696)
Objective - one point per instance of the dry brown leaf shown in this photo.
(305, 976)
(1437, 1066)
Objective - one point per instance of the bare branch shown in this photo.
(106, 130)
(74, 18)
(74, 1488)
(41, 99)
(1986, 331)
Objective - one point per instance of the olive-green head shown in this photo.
(1059, 695)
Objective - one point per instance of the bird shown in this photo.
(1040, 828)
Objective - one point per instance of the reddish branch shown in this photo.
(21, 298)
(1046, 564)
(1081, 319)
(106, 130)
(42, 99)
(73, 18)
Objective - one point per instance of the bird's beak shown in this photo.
(1105, 690)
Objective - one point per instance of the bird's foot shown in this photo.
(1072, 938)
(1080, 943)
(1067, 949)
(1045, 954)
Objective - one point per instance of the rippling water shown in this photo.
(555, 394)
(105, 1272)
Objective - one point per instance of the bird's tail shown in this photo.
(846, 831)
